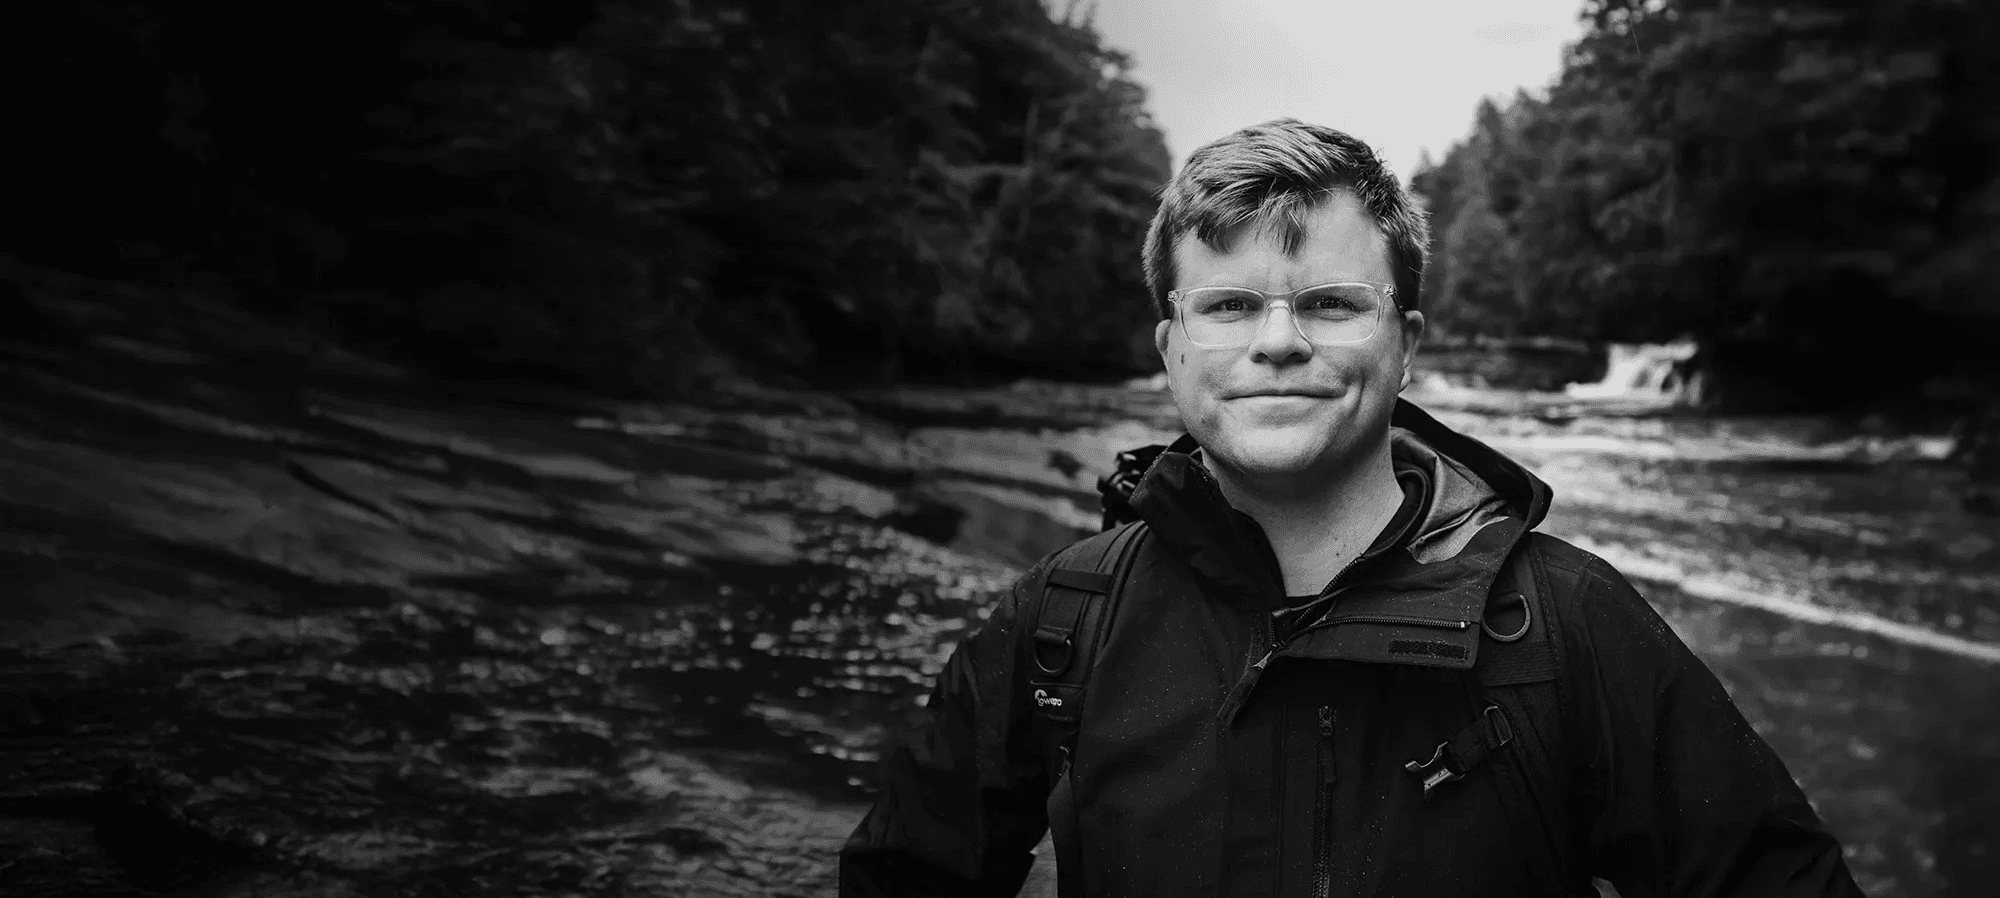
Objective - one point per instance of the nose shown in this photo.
(1280, 342)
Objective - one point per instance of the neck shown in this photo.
(1318, 524)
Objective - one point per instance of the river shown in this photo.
(300, 623)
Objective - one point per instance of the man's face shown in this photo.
(1281, 407)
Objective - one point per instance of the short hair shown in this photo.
(1271, 175)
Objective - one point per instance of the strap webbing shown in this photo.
(1526, 680)
(1076, 603)
(1519, 673)
(1062, 613)
(1088, 581)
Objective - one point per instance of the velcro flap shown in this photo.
(1425, 629)
(1392, 643)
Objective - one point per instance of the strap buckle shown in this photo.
(1455, 757)
(1434, 772)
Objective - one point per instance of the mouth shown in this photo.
(1281, 395)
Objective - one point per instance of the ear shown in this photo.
(1413, 335)
(1163, 332)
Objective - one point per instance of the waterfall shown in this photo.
(1647, 371)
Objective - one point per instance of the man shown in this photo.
(1289, 697)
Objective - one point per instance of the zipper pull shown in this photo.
(1240, 693)
(1326, 740)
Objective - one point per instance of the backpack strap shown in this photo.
(1519, 672)
(1069, 619)
(1522, 676)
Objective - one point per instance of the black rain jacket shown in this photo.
(1214, 759)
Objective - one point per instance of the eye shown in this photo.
(1326, 303)
(1339, 300)
(1222, 303)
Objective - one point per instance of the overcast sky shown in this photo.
(1403, 75)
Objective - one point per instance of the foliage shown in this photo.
(1800, 184)
(621, 193)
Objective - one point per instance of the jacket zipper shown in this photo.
(1277, 646)
(1323, 808)
(1388, 619)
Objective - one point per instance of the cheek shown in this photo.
(1386, 381)
(1194, 381)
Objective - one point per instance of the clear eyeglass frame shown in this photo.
(1387, 292)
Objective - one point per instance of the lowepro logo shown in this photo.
(1044, 699)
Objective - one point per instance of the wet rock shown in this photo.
(926, 517)
(1982, 500)
(1065, 464)
(143, 821)
(300, 468)
(689, 840)
(29, 322)
(19, 714)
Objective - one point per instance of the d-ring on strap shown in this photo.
(1527, 620)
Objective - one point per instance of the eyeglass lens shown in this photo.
(1329, 314)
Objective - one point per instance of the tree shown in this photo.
(611, 193)
(1796, 183)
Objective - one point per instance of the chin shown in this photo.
(1273, 454)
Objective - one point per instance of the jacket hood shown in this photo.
(1477, 503)
(1523, 494)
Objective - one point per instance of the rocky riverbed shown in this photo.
(280, 620)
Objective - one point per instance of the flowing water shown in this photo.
(307, 626)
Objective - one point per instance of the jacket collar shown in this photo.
(1435, 580)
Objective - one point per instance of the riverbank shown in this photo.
(283, 620)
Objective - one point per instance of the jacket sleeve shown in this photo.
(962, 804)
(1689, 800)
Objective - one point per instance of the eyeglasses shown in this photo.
(1325, 314)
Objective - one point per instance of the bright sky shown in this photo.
(1403, 75)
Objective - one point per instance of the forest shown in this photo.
(634, 195)
(650, 196)
(1809, 188)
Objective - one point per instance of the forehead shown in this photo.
(1340, 241)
